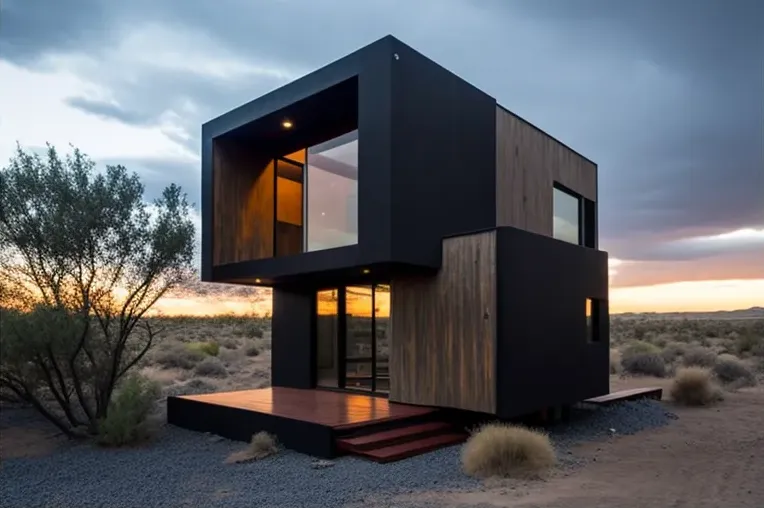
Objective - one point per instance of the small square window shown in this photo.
(592, 318)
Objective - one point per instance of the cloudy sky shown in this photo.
(667, 97)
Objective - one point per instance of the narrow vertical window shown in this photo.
(592, 314)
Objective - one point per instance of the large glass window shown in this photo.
(359, 342)
(382, 330)
(327, 337)
(567, 216)
(332, 194)
(288, 228)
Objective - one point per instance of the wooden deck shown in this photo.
(331, 409)
(308, 421)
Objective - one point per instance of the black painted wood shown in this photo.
(543, 356)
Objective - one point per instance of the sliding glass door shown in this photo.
(352, 338)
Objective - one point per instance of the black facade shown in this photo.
(426, 142)
(544, 356)
(427, 170)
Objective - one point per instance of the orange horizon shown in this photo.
(685, 296)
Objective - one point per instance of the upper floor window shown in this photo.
(574, 218)
(332, 193)
(567, 216)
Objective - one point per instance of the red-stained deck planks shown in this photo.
(331, 409)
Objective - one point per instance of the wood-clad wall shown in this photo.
(443, 339)
(528, 162)
(243, 197)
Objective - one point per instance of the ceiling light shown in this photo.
(287, 124)
(257, 281)
(365, 271)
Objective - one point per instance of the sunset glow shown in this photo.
(695, 296)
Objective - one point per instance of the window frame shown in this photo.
(586, 213)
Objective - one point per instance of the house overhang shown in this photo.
(360, 84)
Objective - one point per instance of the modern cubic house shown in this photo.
(424, 244)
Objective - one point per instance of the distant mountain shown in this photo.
(752, 313)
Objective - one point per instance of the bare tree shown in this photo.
(82, 259)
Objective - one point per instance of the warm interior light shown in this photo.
(257, 281)
(365, 271)
(287, 124)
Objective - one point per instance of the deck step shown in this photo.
(624, 395)
(389, 437)
(412, 448)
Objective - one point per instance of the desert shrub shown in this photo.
(644, 364)
(699, 356)
(639, 347)
(673, 351)
(191, 387)
(178, 356)
(731, 370)
(693, 386)
(83, 257)
(230, 343)
(262, 445)
(211, 367)
(615, 361)
(126, 420)
(254, 331)
(642, 358)
(749, 344)
(506, 450)
(207, 348)
(252, 350)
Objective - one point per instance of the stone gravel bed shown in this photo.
(185, 469)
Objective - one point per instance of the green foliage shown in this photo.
(86, 257)
(126, 421)
(206, 348)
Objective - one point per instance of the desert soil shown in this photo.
(708, 457)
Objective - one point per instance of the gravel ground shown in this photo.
(184, 468)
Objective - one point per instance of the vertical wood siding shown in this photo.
(528, 162)
(243, 197)
(443, 340)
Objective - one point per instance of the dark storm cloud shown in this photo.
(667, 97)
(110, 111)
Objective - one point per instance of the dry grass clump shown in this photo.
(693, 386)
(750, 344)
(699, 356)
(730, 370)
(502, 450)
(177, 356)
(252, 350)
(673, 351)
(211, 367)
(262, 445)
(643, 359)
